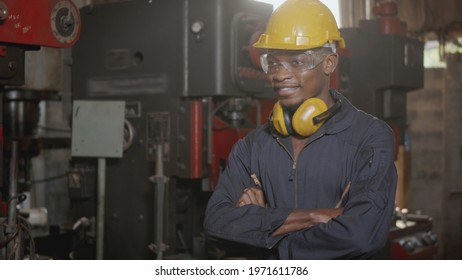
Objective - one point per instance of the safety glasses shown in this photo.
(294, 63)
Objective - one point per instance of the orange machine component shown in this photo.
(196, 139)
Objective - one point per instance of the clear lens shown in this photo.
(293, 63)
(264, 62)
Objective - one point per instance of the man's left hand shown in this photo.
(251, 196)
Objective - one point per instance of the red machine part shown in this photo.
(223, 139)
(389, 22)
(412, 238)
(225, 136)
(254, 53)
(3, 207)
(407, 250)
(51, 23)
(416, 245)
(196, 139)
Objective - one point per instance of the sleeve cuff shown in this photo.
(272, 219)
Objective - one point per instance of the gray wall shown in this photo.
(435, 117)
(425, 120)
(452, 143)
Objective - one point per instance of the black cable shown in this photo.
(28, 230)
(9, 239)
(20, 196)
(22, 225)
(49, 178)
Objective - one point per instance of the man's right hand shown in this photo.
(305, 218)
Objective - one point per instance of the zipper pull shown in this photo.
(293, 171)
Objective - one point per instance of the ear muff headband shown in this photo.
(329, 113)
(308, 118)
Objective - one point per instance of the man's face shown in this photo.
(297, 75)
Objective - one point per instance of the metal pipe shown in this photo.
(351, 17)
(368, 9)
(159, 160)
(3, 238)
(185, 47)
(210, 115)
(101, 197)
(160, 195)
(13, 191)
(2, 220)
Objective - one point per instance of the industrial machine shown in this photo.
(411, 237)
(381, 64)
(192, 86)
(24, 25)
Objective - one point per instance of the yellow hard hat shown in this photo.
(300, 24)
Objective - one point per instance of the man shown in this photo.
(318, 181)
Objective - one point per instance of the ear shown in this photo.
(330, 63)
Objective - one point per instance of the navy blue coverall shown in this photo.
(353, 147)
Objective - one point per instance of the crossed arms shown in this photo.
(298, 219)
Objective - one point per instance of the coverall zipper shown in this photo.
(294, 165)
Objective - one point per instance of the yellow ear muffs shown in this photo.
(305, 120)
(281, 120)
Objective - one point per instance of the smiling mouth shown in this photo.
(285, 89)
